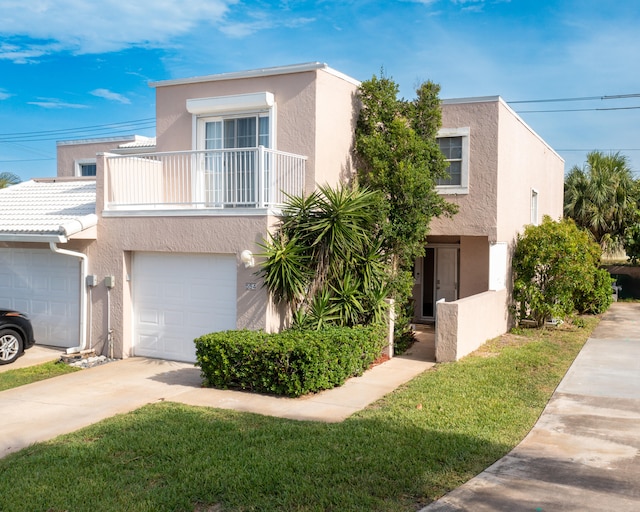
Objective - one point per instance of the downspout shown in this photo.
(84, 263)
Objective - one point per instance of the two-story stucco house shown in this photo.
(140, 245)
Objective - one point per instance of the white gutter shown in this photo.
(84, 263)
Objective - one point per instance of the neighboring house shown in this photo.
(163, 252)
(78, 157)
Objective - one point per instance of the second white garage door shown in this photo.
(46, 286)
(179, 297)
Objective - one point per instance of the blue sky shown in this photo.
(79, 68)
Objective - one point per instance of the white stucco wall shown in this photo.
(525, 162)
(466, 324)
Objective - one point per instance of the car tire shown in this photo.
(11, 344)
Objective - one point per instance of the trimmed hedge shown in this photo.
(291, 363)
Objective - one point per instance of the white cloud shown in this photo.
(111, 96)
(25, 55)
(243, 29)
(4, 95)
(52, 103)
(87, 26)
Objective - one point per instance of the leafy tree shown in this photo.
(556, 271)
(8, 178)
(631, 238)
(600, 198)
(324, 260)
(397, 154)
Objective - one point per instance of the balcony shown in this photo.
(245, 178)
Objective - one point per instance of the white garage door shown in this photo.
(179, 297)
(46, 286)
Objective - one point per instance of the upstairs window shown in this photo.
(231, 128)
(236, 132)
(85, 167)
(454, 144)
(451, 148)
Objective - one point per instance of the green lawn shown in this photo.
(21, 376)
(399, 454)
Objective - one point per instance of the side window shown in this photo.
(85, 167)
(454, 144)
(534, 207)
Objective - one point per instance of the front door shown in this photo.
(437, 276)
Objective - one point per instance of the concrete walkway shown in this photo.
(44, 410)
(584, 452)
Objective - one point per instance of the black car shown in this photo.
(16, 335)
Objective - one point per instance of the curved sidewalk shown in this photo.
(583, 454)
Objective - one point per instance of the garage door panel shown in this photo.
(148, 316)
(175, 319)
(148, 342)
(192, 295)
(45, 285)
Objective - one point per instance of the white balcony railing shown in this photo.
(221, 178)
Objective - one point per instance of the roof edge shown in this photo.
(252, 73)
(472, 99)
(33, 238)
(97, 140)
(79, 224)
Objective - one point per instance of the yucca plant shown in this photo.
(326, 257)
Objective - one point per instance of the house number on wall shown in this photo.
(250, 286)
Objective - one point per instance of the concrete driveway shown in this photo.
(584, 452)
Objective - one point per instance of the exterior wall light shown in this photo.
(246, 257)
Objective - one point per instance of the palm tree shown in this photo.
(8, 178)
(600, 197)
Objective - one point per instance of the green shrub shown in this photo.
(556, 272)
(292, 363)
(596, 299)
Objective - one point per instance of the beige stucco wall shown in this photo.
(477, 214)
(506, 160)
(336, 116)
(466, 324)
(120, 237)
(474, 265)
(313, 116)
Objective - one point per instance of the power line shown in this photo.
(27, 160)
(592, 149)
(578, 110)
(583, 98)
(81, 128)
(96, 132)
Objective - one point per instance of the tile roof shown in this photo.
(139, 142)
(35, 210)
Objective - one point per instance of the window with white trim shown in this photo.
(534, 207)
(85, 167)
(454, 144)
(233, 128)
(232, 173)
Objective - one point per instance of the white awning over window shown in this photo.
(234, 103)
